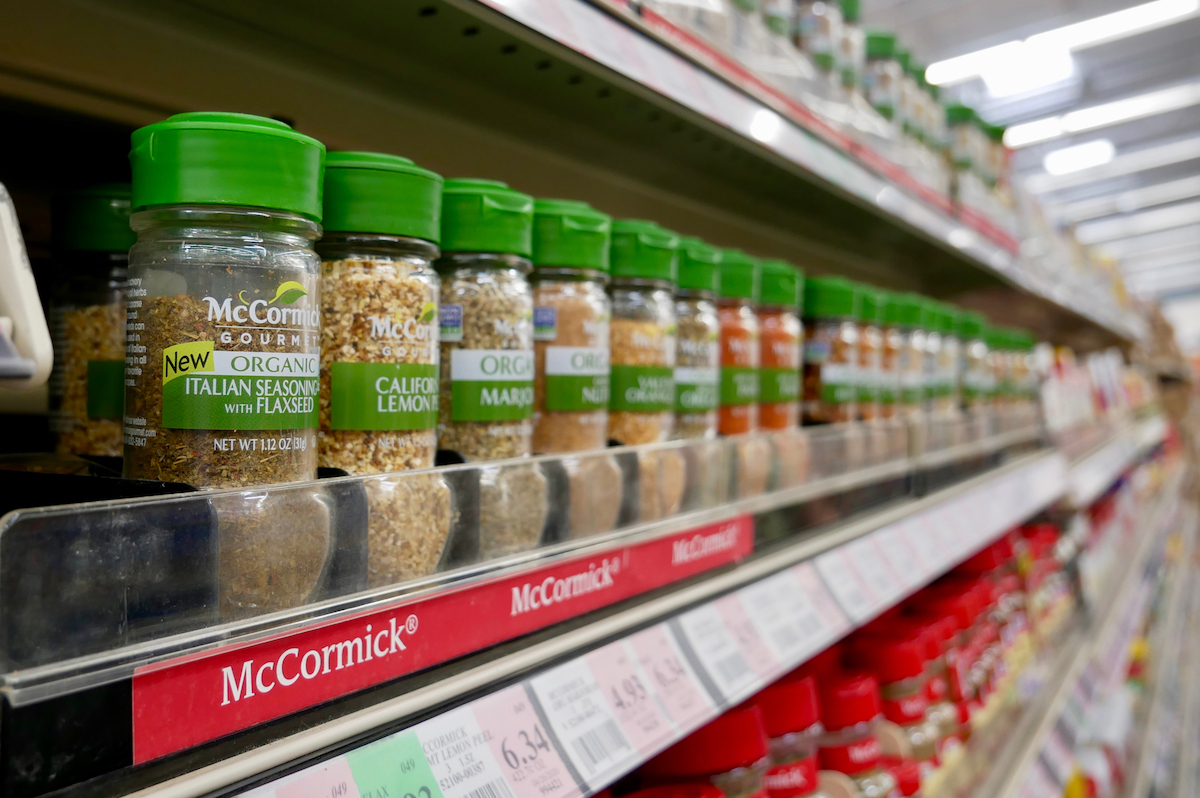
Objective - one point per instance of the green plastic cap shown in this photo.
(95, 218)
(995, 132)
(643, 250)
(950, 317)
(971, 325)
(905, 58)
(851, 10)
(699, 266)
(741, 276)
(959, 114)
(369, 192)
(914, 312)
(227, 159)
(486, 216)
(782, 284)
(570, 233)
(830, 298)
(872, 304)
(881, 44)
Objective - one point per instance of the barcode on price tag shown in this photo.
(631, 696)
(832, 618)
(581, 718)
(703, 632)
(675, 682)
(851, 592)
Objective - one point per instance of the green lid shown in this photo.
(914, 312)
(872, 304)
(950, 316)
(643, 250)
(699, 266)
(971, 325)
(830, 298)
(880, 44)
(227, 159)
(369, 192)
(570, 233)
(850, 10)
(740, 276)
(486, 216)
(995, 132)
(782, 284)
(959, 114)
(904, 56)
(95, 218)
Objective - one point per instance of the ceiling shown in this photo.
(1144, 205)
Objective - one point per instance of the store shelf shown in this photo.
(1095, 472)
(561, 98)
(1093, 660)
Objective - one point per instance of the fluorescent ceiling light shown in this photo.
(1151, 242)
(1132, 200)
(1064, 40)
(765, 125)
(1106, 115)
(1136, 224)
(1126, 163)
(1081, 156)
(1034, 67)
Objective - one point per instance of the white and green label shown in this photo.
(889, 383)
(642, 389)
(697, 389)
(491, 384)
(838, 383)
(912, 387)
(576, 377)
(868, 384)
(206, 388)
(739, 385)
(778, 385)
(383, 396)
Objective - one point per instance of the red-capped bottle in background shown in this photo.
(793, 721)
(730, 753)
(850, 709)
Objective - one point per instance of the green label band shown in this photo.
(779, 385)
(491, 384)
(383, 396)
(739, 385)
(105, 388)
(642, 389)
(576, 392)
(837, 393)
(697, 389)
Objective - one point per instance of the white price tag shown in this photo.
(631, 696)
(579, 712)
(676, 684)
(833, 621)
(784, 617)
(673, 76)
(864, 555)
(718, 653)
(900, 556)
(604, 39)
(750, 642)
(850, 590)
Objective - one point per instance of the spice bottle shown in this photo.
(1001, 367)
(92, 238)
(379, 298)
(892, 344)
(870, 353)
(736, 309)
(947, 402)
(782, 337)
(852, 46)
(973, 367)
(933, 352)
(642, 336)
(830, 350)
(730, 752)
(223, 333)
(850, 710)
(571, 313)
(882, 75)
(914, 320)
(791, 716)
(960, 121)
(818, 31)
(697, 344)
(486, 321)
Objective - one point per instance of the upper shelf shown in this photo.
(560, 98)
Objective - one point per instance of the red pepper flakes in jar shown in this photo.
(730, 753)
(792, 717)
(782, 334)
(851, 709)
(737, 302)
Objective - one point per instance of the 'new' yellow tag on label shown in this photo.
(183, 359)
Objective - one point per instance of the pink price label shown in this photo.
(334, 780)
(676, 685)
(631, 696)
(827, 609)
(526, 757)
(749, 641)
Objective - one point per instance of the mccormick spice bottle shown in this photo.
(642, 338)
(850, 710)
(791, 716)
(379, 326)
(224, 322)
(92, 238)
(889, 359)
(933, 353)
(782, 336)
(697, 344)
(946, 401)
(736, 303)
(883, 74)
(913, 321)
(830, 350)
(974, 377)
(486, 321)
(730, 753)
(870, 353)
(571, 314)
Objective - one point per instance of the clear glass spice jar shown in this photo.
(913, 322)
(571, 314)
(973, 368)
(830, 350)
(223, 333)
(933, 354)
(897, 659)
(1000, 365)
(86, 311)
(882, 74)
(960, 124)
(729, 752)
(852, 47)
(486, 321)
(782, 336)
(379, 301)
(891, 349)
(697, 342)
(947, 401)
(642, 334)
(870, 353)
(791, 716)
(737, 301)
(850, 710)
(818, 31)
